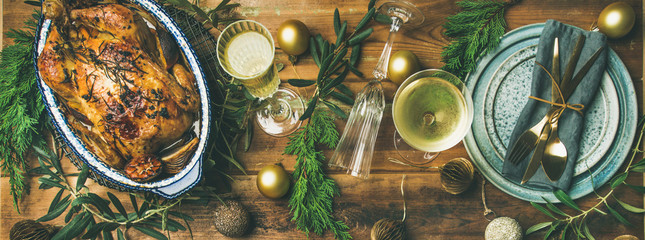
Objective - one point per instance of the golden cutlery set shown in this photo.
(542, 138)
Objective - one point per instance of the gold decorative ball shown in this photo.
(388, 229)
(616, 20)
(457, 175)
(273, 181)
(402, 64)
(293, 37)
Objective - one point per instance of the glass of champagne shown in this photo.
(245, 50)
(356, 146)
(432, 112)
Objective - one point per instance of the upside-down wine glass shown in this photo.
(356, 146)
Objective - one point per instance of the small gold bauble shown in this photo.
(273, 181)
(456, 175)
(293, 37)
(626, 237)
(388, 229)
(616, 20)
(402, 64)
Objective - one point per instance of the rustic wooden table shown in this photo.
(432, 213)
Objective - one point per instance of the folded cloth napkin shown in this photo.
(571, 122)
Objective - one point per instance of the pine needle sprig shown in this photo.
(21, 106)
(475, 31)
(312, 198)
(575, 225)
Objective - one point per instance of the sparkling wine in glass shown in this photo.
(246, 51)
(356, 146)
(432, 112)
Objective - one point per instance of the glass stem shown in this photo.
(380, 72)
(277, 109)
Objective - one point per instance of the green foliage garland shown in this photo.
(313, 192)
(312, 196)
(22, 117)
(475, 31)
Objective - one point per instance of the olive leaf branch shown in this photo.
(332, 64)
(84, 207)
(567, 224)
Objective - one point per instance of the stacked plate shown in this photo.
(501, 85)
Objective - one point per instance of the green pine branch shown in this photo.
(475, 30)
(313, 193)
(21, 106)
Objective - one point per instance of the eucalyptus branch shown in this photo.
(576, 224)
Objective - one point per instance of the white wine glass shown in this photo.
(246, 51)
(356, 146)
(432, 112)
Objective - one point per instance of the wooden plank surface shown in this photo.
(432, 213)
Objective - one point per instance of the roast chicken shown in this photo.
(123, 98)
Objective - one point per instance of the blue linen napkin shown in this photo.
(571, 123)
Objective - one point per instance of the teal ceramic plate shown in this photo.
(501, 85)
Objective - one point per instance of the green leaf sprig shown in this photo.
(333, 64)
(474, 31)
(575, 225)
(21, 105)
(90, 215)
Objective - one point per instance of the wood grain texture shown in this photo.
(432, 213)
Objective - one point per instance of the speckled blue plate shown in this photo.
(170, 187)
(501, 85)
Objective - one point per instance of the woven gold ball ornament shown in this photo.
(31, 230)
(457, 175)
(388, 229)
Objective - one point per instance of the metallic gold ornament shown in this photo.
(293, 37)
(457, 175)
(402, 64)
(273, 181)
(616, 20)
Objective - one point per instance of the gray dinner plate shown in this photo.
(500, 87)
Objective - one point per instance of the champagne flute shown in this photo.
(246, 51)
(356, 146)
(432, 111)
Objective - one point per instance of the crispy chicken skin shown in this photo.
(106, 67)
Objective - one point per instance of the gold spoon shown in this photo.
(555, 154)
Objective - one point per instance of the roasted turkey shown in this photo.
(123, 98)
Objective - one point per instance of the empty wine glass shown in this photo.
(246, 51)
(356, 146)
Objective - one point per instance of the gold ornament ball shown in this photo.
(273, 181)
(293, 37)
(402, 64)
(616, 20)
